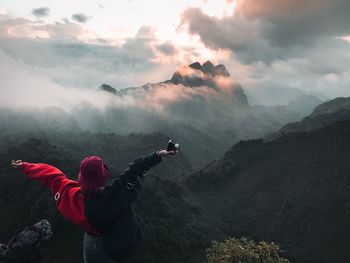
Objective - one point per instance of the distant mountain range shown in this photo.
(200, 106)
(273, 94)
(323, 115)
(201, 101)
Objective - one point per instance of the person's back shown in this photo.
(104, 212)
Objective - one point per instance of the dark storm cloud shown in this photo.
(80, 18)
(293, 43)
(265, 30)
(41, 12)
(299, 22)
(235, 33)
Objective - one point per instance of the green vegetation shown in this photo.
(244, 250)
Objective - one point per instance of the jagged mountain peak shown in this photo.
(208, 67)
(196, 65)
(221, 70)
(196, 74)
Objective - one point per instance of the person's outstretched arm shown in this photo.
(45, 173)
(65, 191)
(141, 165)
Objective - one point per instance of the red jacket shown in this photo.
(68, 195)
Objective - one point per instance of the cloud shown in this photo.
(145, 33)
(2, 11)
(27, 28)
(235, 33)
(68, 60)
(167, 48)
(65, 30)
(41, 12)
(27, 87)
(295, 22)
(85, 65)
(23, 86)
(70, 55)
(290, 43)
(271, 26)
(80, 18)
(297, 44)
(21, 27)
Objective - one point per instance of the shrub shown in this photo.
(244, 250)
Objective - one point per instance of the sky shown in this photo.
(47, 45)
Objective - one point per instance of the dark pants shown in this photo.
(93, 250)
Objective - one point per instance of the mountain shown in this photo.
(293, 190)
(281, 106)
(273, 94)
(207, 72)
(275, 115)
(200, 106)
(325, 114)
(304, 105)
(196, 75)
(332, 106)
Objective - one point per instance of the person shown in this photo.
(104, 211)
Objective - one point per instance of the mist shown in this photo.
(197, 107)
(200, 103)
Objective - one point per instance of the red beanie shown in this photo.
(93, 173)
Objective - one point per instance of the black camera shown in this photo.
(172, 146)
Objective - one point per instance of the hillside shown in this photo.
(171, 224)
(324, 114)
(293, 190)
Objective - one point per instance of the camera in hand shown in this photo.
(172, 146)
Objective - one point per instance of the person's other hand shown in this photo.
(165, 153)
(16, 164)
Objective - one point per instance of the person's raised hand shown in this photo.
(16, 164)
(169, 154)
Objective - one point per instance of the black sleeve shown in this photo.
(116, 198)
(138, 168)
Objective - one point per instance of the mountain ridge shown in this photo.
(293, 190)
